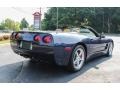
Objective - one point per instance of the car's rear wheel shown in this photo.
(110, 49)
(77, 58)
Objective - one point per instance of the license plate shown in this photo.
(26, 45)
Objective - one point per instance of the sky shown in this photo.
(17, 13)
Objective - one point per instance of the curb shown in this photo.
(4, 44)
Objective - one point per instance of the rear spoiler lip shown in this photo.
(45, 32)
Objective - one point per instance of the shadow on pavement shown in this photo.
(9, 72)
(28, 72)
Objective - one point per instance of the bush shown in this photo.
(1, 38)
(6, 37)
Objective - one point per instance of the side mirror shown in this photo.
(102, 35)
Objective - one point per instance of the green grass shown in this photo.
(4, 41)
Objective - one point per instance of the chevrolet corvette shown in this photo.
(71, 49)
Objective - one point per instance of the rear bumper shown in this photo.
(47, 53)
(41, 52)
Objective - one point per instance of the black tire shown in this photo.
(71, 66)
(110, 49)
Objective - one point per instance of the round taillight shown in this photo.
(12, 36)
(37, 38)
(47, 39)
(17, 36)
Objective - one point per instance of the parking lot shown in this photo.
(14, 68)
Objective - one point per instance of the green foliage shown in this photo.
(24, 24)
(31, 28)
(102, 19)
(9, 24)
(2, 27)
(17, 26)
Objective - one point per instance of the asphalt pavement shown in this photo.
(16, 69)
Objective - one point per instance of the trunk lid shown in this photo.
(30, 37)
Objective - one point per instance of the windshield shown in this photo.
(83, 31)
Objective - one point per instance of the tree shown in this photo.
(17, 26)
(2, 26)
(31, 27)
(9, 24)
(105, 19)
(66, 17)
(24, 24)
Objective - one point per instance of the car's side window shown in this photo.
(87, 32)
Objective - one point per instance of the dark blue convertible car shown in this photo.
(70, 49)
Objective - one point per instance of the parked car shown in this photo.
(70, 49)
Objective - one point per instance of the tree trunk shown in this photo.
(108, 25)
(103, 22)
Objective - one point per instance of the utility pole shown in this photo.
(103, 20)
(57, 18)
(40, 20)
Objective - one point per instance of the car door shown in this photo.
(94, 40)
(103, 44)
(95, 44)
